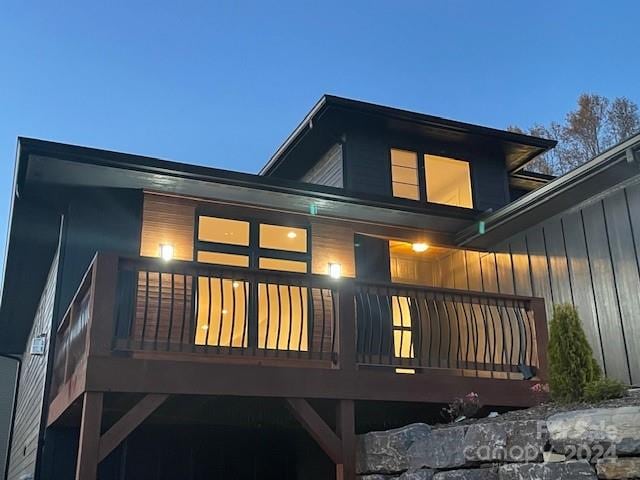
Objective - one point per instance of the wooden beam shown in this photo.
(128, 423)
(129, 375)
(317, 428)
(345, 425)
(89, 444)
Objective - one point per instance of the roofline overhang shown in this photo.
(230, 183)
(623, 154)
(408, 116)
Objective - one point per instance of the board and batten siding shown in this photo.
(328, 170)
(22, 457)
(586, 256)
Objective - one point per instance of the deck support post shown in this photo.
(89, 445)
(345, 426)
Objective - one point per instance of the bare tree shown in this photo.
(595, 125)
(623, 119)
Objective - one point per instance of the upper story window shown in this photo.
(437, 180)
(404, 174)
(448, 181)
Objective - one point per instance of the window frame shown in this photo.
(253, 251)
(421, 151)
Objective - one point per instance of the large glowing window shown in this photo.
(282, 317)
(448, 181)
(223, 230)
(404, 174)
(222, 312)
(279, 237)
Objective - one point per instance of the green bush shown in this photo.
(604, 389)
(571, 361)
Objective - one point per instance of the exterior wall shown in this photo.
(328, 170)
(8, 370)
(172, 220)
(586, 256)
(368, 165)
(22, 459)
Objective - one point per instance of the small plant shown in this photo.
(604, 389)
(572, 365)
(467, 406)
(540, 392)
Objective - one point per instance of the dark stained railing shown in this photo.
(199, 308)
(417, 327)
(71, 335)
(157, 309)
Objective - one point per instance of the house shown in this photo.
(178, 321)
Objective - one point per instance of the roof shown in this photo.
(617, 165)
(518, 148)
(42, 166)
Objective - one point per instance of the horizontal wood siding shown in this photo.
(328, 170)
(24, 446)
(167, 220)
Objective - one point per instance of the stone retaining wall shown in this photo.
(583, 444)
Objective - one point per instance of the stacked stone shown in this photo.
(584, 444)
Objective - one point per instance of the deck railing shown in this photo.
(420, 327)
(148, 307)
(199, 308)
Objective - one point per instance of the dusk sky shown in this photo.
(223, 83)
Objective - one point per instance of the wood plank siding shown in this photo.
(586, 256)
(22, 458)
(328, 170)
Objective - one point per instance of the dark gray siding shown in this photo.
(367, 165)
(328, 170)
(32, 385)
(98, 219)
(586, 256)
(8, 370)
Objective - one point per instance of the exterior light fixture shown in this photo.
(166, 252)
(235, 284)
(292, 234)
(335, 270)
(420, 247)
(224, 311)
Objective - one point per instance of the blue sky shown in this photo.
(222, 83)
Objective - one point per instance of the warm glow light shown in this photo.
(224, 311)
(235, 284)
(166, 251)
(292, 234)
(420, 247)
(205, 327)
(335, 270)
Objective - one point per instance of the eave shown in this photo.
(611, 168)
(519, 148)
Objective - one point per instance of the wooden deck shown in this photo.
(144, 326)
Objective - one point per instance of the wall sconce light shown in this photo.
(335, 270)
(166, 252)
(420, 247)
